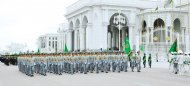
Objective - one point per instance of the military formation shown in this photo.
(9, 59)
(149, 60)
(179, 62)
(84, 63)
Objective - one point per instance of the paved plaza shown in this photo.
(158, 75)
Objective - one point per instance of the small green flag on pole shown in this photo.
(66, 49)
(127, 46)
(173, 47)
(142, 47)
(156, 8)
(38, 52)
(168, 2)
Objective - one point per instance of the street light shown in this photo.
(119, 11)
(117, 21)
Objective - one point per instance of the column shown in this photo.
(109, 40)
(140, 37)
(186, 40)
(171, 33)
(117, 39)
(182, 35)
(75, 40)
(88, 40)
(84, 38)
(78, 39)
(137, 41)
(64, 39)
(152, 34)
(113, 39)
(166, 35)
(131, 36)
(147, 38)
(178, 41)
(69, 40)
(81, 35)
(104, 33)
(123, 39)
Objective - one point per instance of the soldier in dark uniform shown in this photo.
(144, 60)
(150, 60)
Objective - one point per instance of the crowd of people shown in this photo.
(9, 59)
(84, 63)
(179, 62)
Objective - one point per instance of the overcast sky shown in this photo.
(23, 21)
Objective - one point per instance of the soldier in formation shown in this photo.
(71, 63)
(180, 62)
(144, 60)
(150, 60)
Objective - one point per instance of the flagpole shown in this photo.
(188, 15)
(188, 23)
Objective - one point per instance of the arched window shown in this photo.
(159, 23)
(177, 25)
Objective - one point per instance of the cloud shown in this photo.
(23, 21)
(6, 21)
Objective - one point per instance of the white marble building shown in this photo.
(53, 43)
(48, 43)
(97, 24)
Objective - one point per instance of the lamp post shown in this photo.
(119, 11)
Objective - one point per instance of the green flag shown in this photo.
(142, 47)
(173, 47)
(38, 52)
(168, 2)
(156, 8)
(66, 49)
(127, 46)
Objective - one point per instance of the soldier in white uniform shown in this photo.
(180, 62)
(138, 60)
(175, 61)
